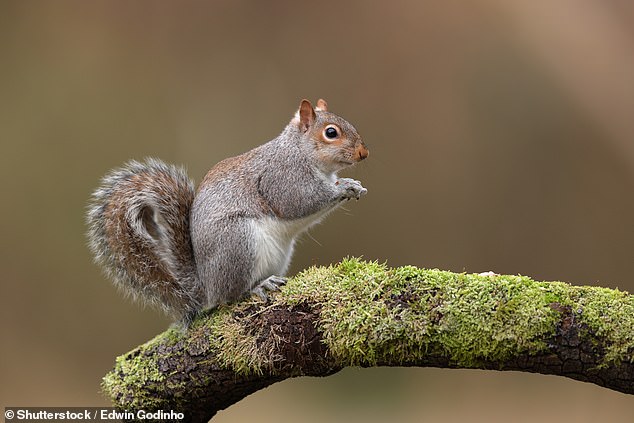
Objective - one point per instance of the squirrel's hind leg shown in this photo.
(272, 283)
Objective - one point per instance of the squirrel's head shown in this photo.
(335, 142)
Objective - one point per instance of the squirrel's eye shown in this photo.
(331, 132)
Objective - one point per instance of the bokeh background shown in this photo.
(501, 137)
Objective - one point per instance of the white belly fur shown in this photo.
(274, 243)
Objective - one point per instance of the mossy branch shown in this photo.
(361, 313)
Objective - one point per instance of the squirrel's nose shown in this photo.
(361, 152)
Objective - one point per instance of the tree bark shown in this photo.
(365, 314)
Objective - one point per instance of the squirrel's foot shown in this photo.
(350, 188)
(272, 283)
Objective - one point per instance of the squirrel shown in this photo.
(187, 250)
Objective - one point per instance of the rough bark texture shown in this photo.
(240, 349)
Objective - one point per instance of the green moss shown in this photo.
(132, 372)
(371, 314)
(374, 314)
(609, 314)
(237, 344)
(221, 334)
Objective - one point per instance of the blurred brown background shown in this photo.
(501, 137)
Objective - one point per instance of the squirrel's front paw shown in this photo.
(350, 188)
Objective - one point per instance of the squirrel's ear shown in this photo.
(306, 115)
(322, 105)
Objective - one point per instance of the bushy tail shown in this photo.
(138, 230)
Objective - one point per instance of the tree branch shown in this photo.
(365, 314)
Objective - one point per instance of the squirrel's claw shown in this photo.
(272, 283)
(350, 188)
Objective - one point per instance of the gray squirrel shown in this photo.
(183, 250)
